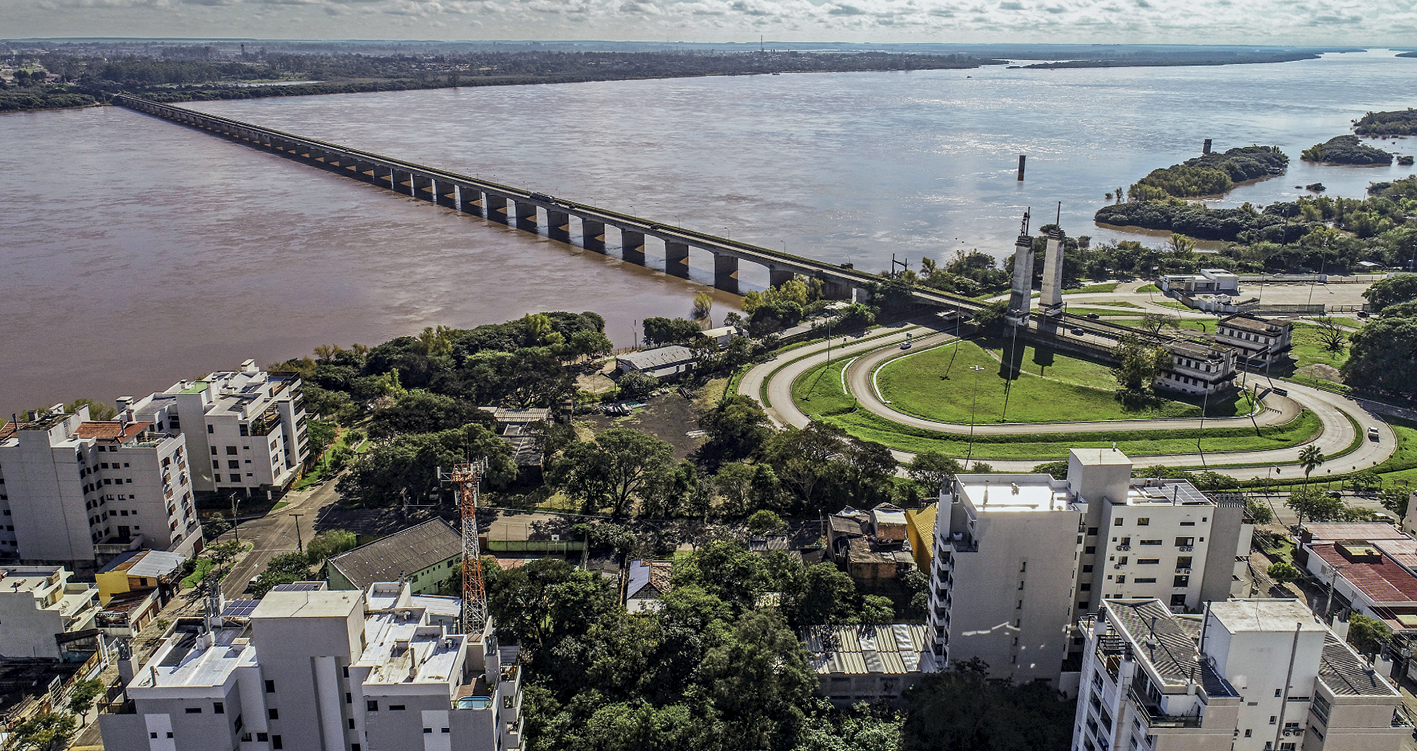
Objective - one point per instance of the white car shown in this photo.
(1372, 434)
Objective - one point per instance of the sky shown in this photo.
(1247, 22)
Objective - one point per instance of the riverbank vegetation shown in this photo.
(1210, 174)
(1397, 123)
(201, 73)
(1345, 150)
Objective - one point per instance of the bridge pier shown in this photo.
(366, 172)
(403, 182)
(778, 277)
(863, 295)
(558, 225)
(632, 246)
(384, 177)
(470, 200)
(423, 188)
(676, 259)
(447, 194)
(725, 272)
(526, 216)
(497, 208)
(593, 235)
(835, 290)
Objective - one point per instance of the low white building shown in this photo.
(1260, 340)
(39, 603)
(309, 668)
(245, 428)
(1197, 368)
(1248, 675)
(76, 491)
(1208, 281)
(664, 363)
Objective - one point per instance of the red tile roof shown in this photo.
(1383, 583)
(111, 430)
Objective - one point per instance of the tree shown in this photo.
(1138, 364)
(1310, 458)
(285, 568)
(1282, 572)
(222, 553)
(1330, 335)
(82, 695)
(1395, 501)
(960, 710)
(1315, 505)
(933, 471)
(660, 331)
(758, 680)
(405, 467)
(1259, 510)
(877, 610)
(1154, 322)
(1390, 291)
(1365, 482)
(1381, 353)
(97, 410)
(737, 429)
(703, 307)
(44, 732)
(614, 469)
(990, 318)
(1367, 635)
(765, 522)
(419, 411)
(637, 385)
(329, 544)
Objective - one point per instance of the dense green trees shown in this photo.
(617, 468)
(409, 464)
(1397, 289)
(1345, 150)
(737, 429)
(1211, 174)
(1398, 123)
(669, 331)
(959, 710)
(1138, 364)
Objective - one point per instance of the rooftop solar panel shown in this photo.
(239, 608)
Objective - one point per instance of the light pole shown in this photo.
(235, 527)
(972, 408)
(299, 544)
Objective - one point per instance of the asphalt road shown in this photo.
(1337, 432)
(275, 533)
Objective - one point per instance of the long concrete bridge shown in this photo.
(529, 210)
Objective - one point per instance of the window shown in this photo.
(1022, 567)
(1019, 606)
(244, 429)
(1121, 579)
(231, 451)
(270, 687)
(445, 730)
(428, 730)
(1178, 601)
(1123, 562)
(1181, 581)
(212, 429)
(213, 450)
(351, 723)
(233, 464)
(1272, 718)
(218, 707)
(262, 737)
(1188, 524)
(1086, 587)
(1183, 561)
(1092, 531)
(1249, 732)
(348, 698)
(1087, 568)
(346, 671)
(193, 710)
(1148, 561)
(1184, 542)
(396, 707)
(273, 713)
(1117, 522)
(371, 705)
(1089, 550)
(1145, 580)
(1151, 542)
(275, 742)
(1144, 521)
(235, 477)
(1082, 606)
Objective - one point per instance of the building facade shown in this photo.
(245, 428)
(74, 491)
(1248, 675)
(1260, 340)
(315, 669)
(1197, 368)
(39, 603)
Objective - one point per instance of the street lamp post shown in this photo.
(299, 544)
(972, 408)
(235, 527)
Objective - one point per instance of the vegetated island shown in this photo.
(1345, 150)
(1379, 124)
(1123, 57)
(73, 78)
(1304, 222)
(1210, 174)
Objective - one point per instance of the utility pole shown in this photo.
(1009, 372)
(235, 528)
(299, 543)
(975, 405)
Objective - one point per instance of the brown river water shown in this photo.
(135, 252)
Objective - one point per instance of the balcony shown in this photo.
(1123, 548)
(268, 421)
(1155, 719)
(1185, 548)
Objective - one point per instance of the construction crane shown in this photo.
(466, 477)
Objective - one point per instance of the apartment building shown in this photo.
(1059, 547)
(38, 607)
(1197, 368)
(247, 423)
(1261, 341)
(308, 668)
(76, 491)
(1247, 675)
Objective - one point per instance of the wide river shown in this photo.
(136, 252)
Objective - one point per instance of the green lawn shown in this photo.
(1401, 466)
(937, 384)
(1172, 304)
(1114, 303)
(1078, 310)
(1149, 288)
(818, 392)
(1186, 323)
(1308, 349)
(1091, 289)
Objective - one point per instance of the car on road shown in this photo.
(541, 197)
(1093, 316)
(905, 344)
(1078, 332)
(1372, 434)
(250, 585)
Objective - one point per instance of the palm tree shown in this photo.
(1310, 458)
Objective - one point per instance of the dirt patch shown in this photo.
(597, 381)
(1321, 371)
(669, 417)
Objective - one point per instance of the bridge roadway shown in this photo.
(524, 208)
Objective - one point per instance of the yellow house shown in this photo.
(138, 571)
(920, 528)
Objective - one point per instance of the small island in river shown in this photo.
(1345, 150)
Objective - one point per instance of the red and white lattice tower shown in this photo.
(466, 477)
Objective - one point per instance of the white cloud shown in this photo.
(1348, 22)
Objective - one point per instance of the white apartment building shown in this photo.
(249, 424)
(1248, 675)
(38, 603)
(311, 669)
(1260, 340)
(74, 490)
(1197, 368)
(1058, 547)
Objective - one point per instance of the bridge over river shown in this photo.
(530, 211)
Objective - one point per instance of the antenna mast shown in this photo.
(466, 477)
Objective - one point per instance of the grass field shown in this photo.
(1079, 310)
(1186, 323)
(1148, 288)
(1171, 304)
(1114, 303)
(937, 384)
(1091, 289)
(1308, 349)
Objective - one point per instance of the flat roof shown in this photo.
(1383, 583)
(1264, 615)
(1013, 493)
(1168, 493)
(309, 604)
(403, 649)
(1370, 531)
(1093, 457)
(187, 663)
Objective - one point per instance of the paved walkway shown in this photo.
(1333, 410)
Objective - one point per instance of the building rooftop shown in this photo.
(1167, 493)
(1096, 457)
(400, 554)
(152, 563)
(111, 430)
(1347, 674)
(1168, 643)
(403, 649)
(1268, 615)
(1253, 323)
(997, 493)
(647, 580)
(29, 578)
(1383, 581)
(192, 658)
(1331, 531)
(320, 603)
(857, 650)
(660, 357)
